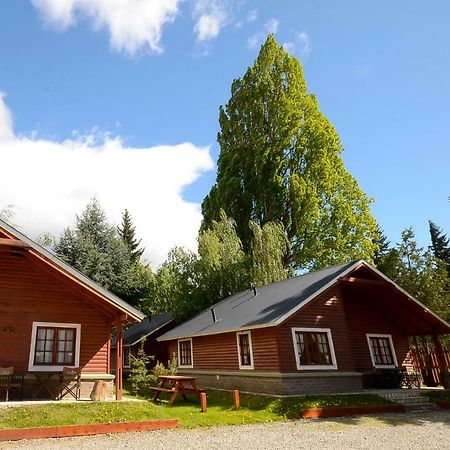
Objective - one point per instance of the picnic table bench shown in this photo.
(174, 385)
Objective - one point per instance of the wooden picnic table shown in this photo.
(176, 384)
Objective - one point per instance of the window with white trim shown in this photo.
(54, 346)
(382, 351)
(314, 349)
(126, 361)
(185, 357)
(245, 352)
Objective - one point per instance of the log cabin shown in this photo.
(52, 317)
(323, 332)
(148, 331)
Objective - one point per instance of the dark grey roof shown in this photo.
(272, 304)
(148, 326)
(116, 301)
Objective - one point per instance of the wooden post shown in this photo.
(237, 400)
(439, 355)
(119, 359)
(203, 401)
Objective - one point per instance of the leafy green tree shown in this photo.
(420, 273)
(268, 249)
(127, 232)
(222, 264)
(175, 287)
(188, 283)
(94, 248)
(439, 244)
(280, 162)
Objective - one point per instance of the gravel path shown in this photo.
(427, 431)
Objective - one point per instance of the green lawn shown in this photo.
(253, 409)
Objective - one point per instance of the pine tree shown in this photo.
(440, 244)
(95, 248)
(280, 162)
(128, 233)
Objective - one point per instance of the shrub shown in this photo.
(140, 378)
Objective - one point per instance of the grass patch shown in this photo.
(438, 396)
(254, 409)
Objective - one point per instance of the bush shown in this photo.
(139, 377)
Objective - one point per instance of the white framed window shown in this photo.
(185, 355)
(126, 361)
(54, 346)
(314, 349)
(382, 351)
(245, 351)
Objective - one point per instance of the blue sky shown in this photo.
(123, 104)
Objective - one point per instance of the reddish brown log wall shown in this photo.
(29, 294)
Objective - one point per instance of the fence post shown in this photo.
(203, 401)
(237, 400)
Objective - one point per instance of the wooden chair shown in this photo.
(410, 379)
(10, 382)
(70, 382)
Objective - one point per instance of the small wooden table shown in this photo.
(174, 385)
(47, 380)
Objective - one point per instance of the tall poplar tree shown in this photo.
(280, 162)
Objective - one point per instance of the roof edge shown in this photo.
(83, 279)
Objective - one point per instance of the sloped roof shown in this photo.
(133, 334)
(275, 302)
(270, 306)
(53, 260)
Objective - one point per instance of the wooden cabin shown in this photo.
(53, 317)
(327, 331)
(148, 331)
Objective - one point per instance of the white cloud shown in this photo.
(271, 25)
(210, 16)
(304, 42)
(50, 182)
(133, 25)
(207, 27)
(252, 15)
(255, 40)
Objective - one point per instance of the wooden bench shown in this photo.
(162, 389)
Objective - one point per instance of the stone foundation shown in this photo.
(280, 383)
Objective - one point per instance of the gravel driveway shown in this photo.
(427, 431)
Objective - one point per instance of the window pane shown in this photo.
(244, 349)
(41, 333)
(185, 353)
(50, 339)
(382, 351)
(313, 348)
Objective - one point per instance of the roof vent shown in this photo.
(213, 314)
(253, 288)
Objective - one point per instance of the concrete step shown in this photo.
(419, 407)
